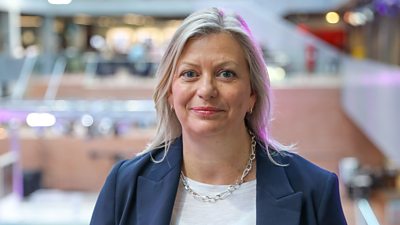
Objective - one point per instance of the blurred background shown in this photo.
(77, 76)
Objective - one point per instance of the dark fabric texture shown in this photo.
(141, 192)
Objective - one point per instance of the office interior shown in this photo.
(77, 77)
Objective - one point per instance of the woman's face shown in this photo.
(211, 90)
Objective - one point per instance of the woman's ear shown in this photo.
(170, 101)
(253, 100)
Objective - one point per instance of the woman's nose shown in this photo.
(207, 88)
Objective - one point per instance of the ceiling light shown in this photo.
(332, 17)
(59, 2)
(40, 119)
(87, 120)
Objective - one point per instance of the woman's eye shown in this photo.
(226, 74)
(189, 74)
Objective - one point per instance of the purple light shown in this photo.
(386, 79)
(7, 116)
(387, 7)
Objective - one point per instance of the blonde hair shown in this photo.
(199, 24)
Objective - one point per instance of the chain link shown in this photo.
(232, 187)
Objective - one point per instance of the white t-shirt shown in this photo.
(237, 209)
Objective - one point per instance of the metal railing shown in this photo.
(364, 213)
(55, 79)
(23, 79)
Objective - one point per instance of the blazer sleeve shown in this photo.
(104, 210)
(330, 210)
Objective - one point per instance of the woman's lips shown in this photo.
(206, 110)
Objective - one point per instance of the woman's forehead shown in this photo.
(221, 45)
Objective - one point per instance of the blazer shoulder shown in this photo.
(136, 165)
(307, 177)
(319, 186)
(115, 191)
(303, 167)
(294, 165)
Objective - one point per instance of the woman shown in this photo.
(212, 161)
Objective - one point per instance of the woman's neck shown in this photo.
(218, 159)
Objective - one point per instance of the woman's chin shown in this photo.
(206, 129)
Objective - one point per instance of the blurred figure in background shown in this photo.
(141, 58)
(212, 160)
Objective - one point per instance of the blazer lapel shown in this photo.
(156, 190)
(277, 203)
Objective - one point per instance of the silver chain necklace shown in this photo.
(232, 187)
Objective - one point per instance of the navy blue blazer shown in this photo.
(141, 192)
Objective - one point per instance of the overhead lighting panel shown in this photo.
(40, 120)
(59, 2)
